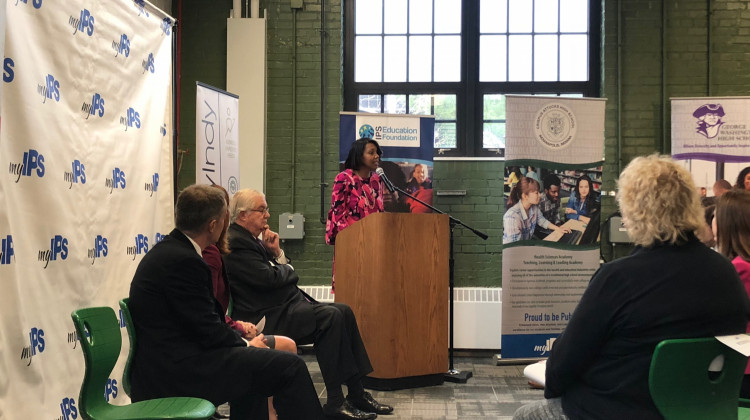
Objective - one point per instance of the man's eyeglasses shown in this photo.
(262, 210)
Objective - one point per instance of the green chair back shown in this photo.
(99, 333)
(131, 337)
(682, 387)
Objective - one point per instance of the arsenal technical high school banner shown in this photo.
(554, 152)
(86, 188)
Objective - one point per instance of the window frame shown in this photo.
(469, 90)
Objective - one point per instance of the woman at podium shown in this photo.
(357, 191)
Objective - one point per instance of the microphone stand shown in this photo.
(453, 374)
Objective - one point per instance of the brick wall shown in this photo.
(635, 123)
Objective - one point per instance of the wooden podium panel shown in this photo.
(392, 269)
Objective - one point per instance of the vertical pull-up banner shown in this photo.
(86, 185)
(554, 151)
(407, 142)
(217, 157)
(711, 136)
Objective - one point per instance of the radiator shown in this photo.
(476, 315)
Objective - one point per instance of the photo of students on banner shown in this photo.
(563, 207)
(415, 179)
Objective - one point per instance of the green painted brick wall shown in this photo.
(664, 51)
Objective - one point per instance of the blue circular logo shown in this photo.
(366, 132)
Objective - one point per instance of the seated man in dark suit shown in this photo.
(185, 348)
(264, 284)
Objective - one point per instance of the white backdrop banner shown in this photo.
(86, 108)
(7, 63)
(217, 157)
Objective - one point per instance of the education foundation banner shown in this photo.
(86, 188)
(407, 142)
(552, 181)
(711, 137)
(217, 138)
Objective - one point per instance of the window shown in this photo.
(457, 59)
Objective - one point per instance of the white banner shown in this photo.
(556, 146)
(217, 138)
(555, 129)
(88, 190)
(716, 129)
(7, 70)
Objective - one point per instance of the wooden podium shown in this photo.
(392, 269)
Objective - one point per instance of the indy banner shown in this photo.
(711, 137)
(407, 144)
(551, 224)
(217, 138)
(87, 189)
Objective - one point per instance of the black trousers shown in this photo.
(338, 345)
(243, 376)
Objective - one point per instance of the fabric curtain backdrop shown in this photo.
(86, 108)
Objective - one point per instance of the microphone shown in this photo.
(388, 184)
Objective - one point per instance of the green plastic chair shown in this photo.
(101, 340)
(682, 387)
(131, 337)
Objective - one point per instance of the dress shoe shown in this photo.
(365, 402)
(347, 411)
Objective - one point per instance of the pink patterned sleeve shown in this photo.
(339, 213)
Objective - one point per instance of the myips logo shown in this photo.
(131, 119)
(141, 5)
(163, 130)
(96, 107)
(158, 238)
(122, 46)
(74, 338)
(76, 175)
(6, 250)
(8, 74)
(33, 163)
(110, 389)
(83, 24)
(50, 89)
(99, 250)
(153, 185)
(140, 247)
(68, 409)
(148, 63)
(546, 347)
(36, 343)
(117, 180)
(58, 248)
(166, 25)
(36, 3)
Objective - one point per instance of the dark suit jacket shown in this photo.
(174, 312)
(263, 287)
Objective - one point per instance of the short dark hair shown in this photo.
(550, 180)
(196, 206)
(354, 160)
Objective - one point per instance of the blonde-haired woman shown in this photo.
(671, 286)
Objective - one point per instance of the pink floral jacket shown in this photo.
(352, 199)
